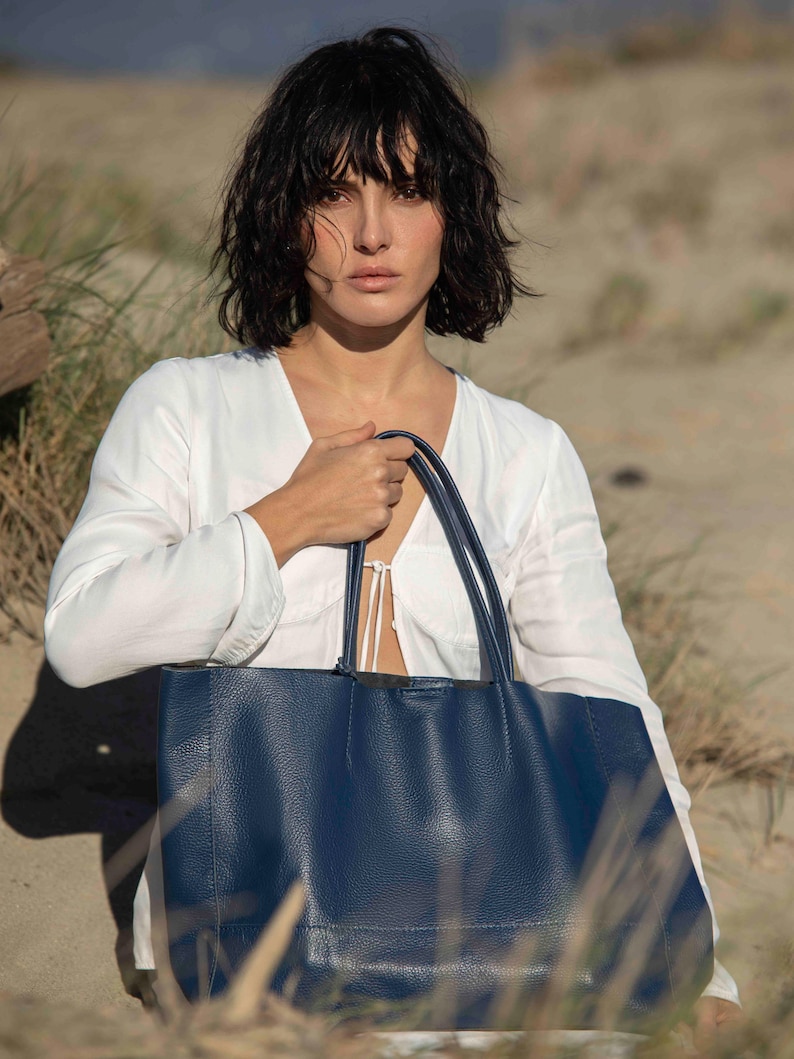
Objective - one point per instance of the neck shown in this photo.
(370, 363)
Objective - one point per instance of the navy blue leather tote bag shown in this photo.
(473, 852)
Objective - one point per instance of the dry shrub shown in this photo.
(107, 325)
(51, 429)
(679, 191)
(617, 311)
(713, 735)
(46, 453)
(740, 33)
(61, 212)
(672, 39)
(779, 233)
(757, 315)
(586, 162)
(745, 34)
(247, 1023)
(571, 162)
(570, 64)
(38, 1029)
(619, 307)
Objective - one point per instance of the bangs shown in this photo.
(386, 153)
(368, 122)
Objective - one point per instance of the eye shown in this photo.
(330, 196)
(410, 193)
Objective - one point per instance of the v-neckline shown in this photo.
(303, 426)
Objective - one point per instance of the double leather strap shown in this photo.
(467, 551)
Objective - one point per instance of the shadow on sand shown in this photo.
(83, 760)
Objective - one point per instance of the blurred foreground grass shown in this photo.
(249, 1022)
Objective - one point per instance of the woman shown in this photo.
(363, 212)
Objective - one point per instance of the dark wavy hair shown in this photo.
(354, 105)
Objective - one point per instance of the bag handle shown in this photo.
(459, 530)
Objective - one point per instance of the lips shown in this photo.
(372, 271)
(373, 279)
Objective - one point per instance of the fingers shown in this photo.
(348, 484)
(348, 437)
(397, 448)
(712, 1016)
(396, 470)
(391, 448)
(729, 1012)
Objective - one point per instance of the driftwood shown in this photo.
(24, 339)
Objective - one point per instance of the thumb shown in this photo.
(351, 437)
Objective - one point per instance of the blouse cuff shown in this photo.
(262, 600)
(722, 986)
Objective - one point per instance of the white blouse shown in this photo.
(164, 566)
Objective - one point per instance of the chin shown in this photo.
(375, 319)
(372, 315)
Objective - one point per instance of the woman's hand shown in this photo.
(713, 1018)
(710, 1025)
(343, 490)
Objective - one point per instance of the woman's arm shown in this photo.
(136, 584)
(569, 630)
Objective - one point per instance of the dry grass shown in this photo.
(713, 736)
(51, 430)
(249, 1022)
(63, 212)
(676, 175)
(739, 33)
(112, 308)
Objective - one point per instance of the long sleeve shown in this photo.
(569, 631)
(136, 583)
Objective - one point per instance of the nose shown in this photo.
(373, 229)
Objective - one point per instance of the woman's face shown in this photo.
(378, 251)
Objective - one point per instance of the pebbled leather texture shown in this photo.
(405, 809)
(466, 847)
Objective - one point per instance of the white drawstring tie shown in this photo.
(379, 571)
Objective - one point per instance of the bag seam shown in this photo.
(217, 926)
